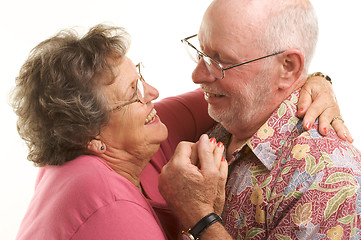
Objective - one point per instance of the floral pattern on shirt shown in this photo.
(289, 183)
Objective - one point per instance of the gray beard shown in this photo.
(244, 110)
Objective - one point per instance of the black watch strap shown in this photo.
(203, 224)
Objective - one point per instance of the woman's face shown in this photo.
(134, 128)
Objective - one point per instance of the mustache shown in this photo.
(207, 88)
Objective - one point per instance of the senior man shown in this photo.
(284, 181)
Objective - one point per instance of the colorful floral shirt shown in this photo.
(289, 183)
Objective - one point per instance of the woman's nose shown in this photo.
(151, 93)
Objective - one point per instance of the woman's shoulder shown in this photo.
(67, 196)
(90, 177)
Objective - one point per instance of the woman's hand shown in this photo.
(317, 100)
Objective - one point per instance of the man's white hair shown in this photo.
(291, 24)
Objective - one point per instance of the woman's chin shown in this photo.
(158, 129)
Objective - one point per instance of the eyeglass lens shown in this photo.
(212, 66)
(141, 91)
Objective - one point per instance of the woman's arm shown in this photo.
(186, 117)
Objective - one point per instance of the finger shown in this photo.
(222, 179)
(311, 115)
(182, 153)
(342, 131)
(348, 135)
(205, 153)
(320, 92)
(218, 154)
(223, 169)
(304, 102)
(325, 107)
(223, 173)
(331, 111)
(324, 122)
(194, 154)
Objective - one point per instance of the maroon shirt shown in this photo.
(186, 117)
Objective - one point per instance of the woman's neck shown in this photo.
(126, 165)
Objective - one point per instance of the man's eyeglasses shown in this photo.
(139, 95)
(213, 66)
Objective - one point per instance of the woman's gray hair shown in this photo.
(291, 24)
(59, 95)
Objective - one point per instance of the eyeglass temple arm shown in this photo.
(270, 55)
(186, 39)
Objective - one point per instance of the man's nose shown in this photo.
(201, 73)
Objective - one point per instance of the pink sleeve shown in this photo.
(120, 220)
(186, 117)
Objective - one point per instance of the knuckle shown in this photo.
(182, 144)
(223, 178)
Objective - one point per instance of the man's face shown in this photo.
(238, 98)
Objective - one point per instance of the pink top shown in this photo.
(86, 199)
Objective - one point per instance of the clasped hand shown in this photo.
(193, 181)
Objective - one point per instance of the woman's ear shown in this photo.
(291, 68)
(96, 146)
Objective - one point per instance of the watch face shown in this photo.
(187, 236)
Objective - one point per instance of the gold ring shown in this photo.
(337, 118)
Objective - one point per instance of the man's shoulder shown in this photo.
(332, 151)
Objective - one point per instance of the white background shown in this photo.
(156, 27)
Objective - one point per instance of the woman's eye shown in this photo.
(132, 95)
(133, 92)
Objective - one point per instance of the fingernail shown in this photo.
(300, 110)
(325, 129)
(349, 139)
(223, 159)
(308, 126)
(220, 144)
(213, 140)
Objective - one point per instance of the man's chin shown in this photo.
(219, 116)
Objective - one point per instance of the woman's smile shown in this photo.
(151, 117)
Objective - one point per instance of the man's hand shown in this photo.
(317, 100)
(193, 192)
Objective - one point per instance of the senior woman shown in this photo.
(88, 119)
(89, 122)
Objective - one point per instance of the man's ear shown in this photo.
(96, 146)
(291, 68)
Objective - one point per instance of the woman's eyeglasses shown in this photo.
(139, 91)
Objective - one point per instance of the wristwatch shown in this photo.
(195, 232)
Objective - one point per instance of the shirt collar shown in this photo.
(267, 142)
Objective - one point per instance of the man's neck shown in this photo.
(234, 144)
